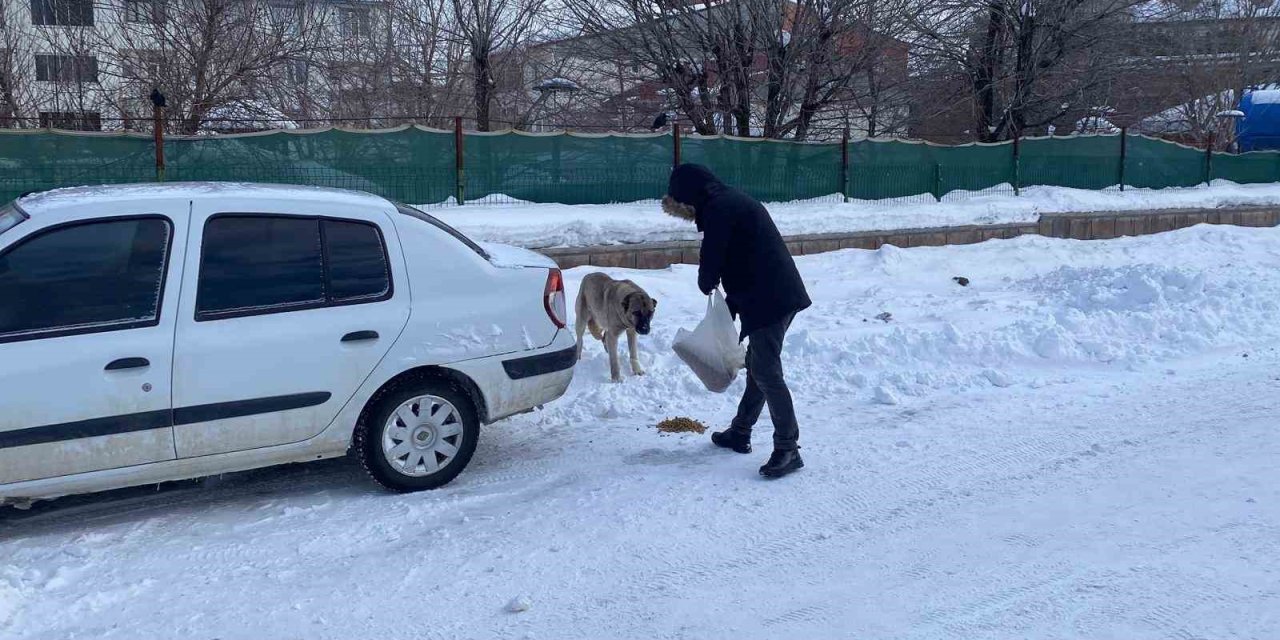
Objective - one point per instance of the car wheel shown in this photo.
(419, 436)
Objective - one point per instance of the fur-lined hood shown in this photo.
(690, 186)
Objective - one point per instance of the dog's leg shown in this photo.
(611, 344)
(580, 327)
(635, 355)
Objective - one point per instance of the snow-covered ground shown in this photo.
(553, 225)
(1082, 443)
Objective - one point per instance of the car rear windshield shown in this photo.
(431, 220)
(10, 217)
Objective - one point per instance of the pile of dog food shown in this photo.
(681, 425)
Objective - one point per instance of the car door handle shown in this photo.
(360, 336)
(127, 363)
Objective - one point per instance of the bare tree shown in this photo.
(16, 62)
(834, 58)
(1203, 56)
(670, 40)
(1026, 63)
(206, 54)
(742, 66)
(68, 77)
(487, 27)
(426, 60)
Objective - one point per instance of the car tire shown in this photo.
(418, 436)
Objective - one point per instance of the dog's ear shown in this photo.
(626, 301)
(655, 302)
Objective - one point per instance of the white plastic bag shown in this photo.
(712, 349)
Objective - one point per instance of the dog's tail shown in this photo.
(595, 330)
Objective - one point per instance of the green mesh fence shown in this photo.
(418, 165)
(975, 167)
(1256, 166)
(881, 169)
(1156, 164)
(769, 170)
(411, 165)
(39, 160)
(566, 168)
(894, 169)
(1083, 162)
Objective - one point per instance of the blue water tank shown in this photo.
(1259, 129)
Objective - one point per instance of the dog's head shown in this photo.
(638, 308)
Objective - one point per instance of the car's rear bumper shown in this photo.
(515, 383)
(540, 364)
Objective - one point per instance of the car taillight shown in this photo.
(553, 298)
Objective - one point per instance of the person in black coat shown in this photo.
(743, 251)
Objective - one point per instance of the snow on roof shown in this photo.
(1179, 119)
(247, 114)
(1096, 124)
(1266, 96)
(72, 196)
(556, 84)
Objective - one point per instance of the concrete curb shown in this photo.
(1102, 225)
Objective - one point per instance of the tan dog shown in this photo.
(609, 307)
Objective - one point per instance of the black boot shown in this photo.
(781, 463)
(732, 439)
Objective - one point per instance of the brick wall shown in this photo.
(1079, 226)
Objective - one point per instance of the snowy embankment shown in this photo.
(540, 226)
(1081, 443)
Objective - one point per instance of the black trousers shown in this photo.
(765, 385)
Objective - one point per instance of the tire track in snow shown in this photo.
(870, 510)
(798, 616)
(875, 513)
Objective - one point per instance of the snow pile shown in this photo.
(555, 225)
(10, 596)
(1073, 445)
(1036, 308)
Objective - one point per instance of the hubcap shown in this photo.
(422, 436)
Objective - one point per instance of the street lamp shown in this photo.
(549, 88)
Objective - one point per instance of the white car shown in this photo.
(160, 332)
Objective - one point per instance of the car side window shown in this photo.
(255, 264)
(250, 264)
(92, 276)
(357, 260)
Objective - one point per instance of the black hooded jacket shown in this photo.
(741, 248)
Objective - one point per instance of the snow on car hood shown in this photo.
(509, 257)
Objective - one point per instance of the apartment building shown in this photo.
(92, 64)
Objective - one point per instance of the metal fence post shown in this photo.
(557, 171)
(460, 181)
(1124, 154)
(844, 164)
(675, 145)
(1208, 160)
(157, 115)
(937, 181)
(1017, 163)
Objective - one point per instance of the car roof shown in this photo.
(73, 196)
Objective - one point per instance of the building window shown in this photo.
(71, 120)
(62, 13)
(144, 11)
(298, 71)
(141, 64)
(285, 16)
(357, 22)
(6, 80)
(60, 68)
